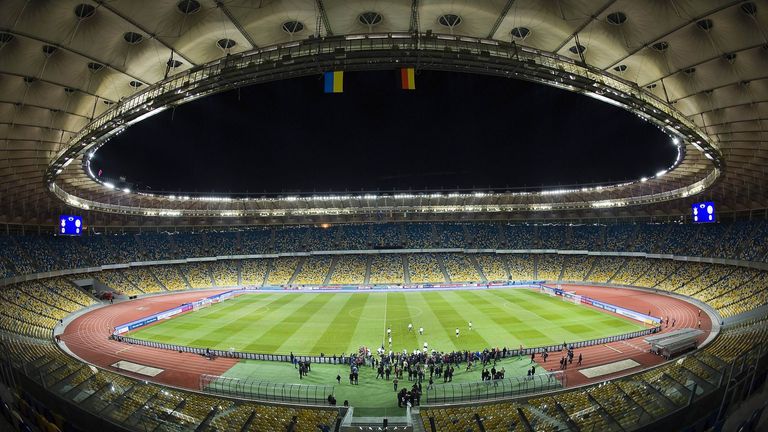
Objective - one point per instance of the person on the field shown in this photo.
(457, 332)
(533, 357)
(421, 331)
(394, 384)
(410, 327)
(389, 331)
(673, 322)
(390, 341)
(579, 363)
(338, 378)
(470, 326)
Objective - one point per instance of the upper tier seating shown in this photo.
(25, 254)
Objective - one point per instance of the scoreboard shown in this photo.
(70, 225)
(703, 212)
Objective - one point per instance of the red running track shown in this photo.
(88, 337)
(684, 315)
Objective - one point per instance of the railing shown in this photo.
(250, 388)
(494, 389)
(343, 359)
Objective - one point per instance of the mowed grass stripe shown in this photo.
(435, 336)
(310, 331)
(274, 336)
(553, 320)
(451, 319)
(255, 324)
(398, 317)
(339, 327)
(492, 316)
(537, 315)
(185, 329)
(335, 323)
(231, 324)
(370, 327)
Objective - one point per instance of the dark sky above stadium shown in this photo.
(454, 131)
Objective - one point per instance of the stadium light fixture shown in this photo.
(675, 140)
(708, 156)
(126, 190)
(109, 185)
(644, 179)
(661, 173)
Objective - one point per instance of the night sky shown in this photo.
(453, 131)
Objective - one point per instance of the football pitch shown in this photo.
(333, 323)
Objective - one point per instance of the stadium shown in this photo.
(143, 287)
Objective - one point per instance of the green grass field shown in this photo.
(336, 323)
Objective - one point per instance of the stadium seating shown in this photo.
(605, 268)
(492, 266)
(281, 270)
(425, 268)
(521, 267)
(349, 269)
(31, 310)
(196, 275)
(550, 266)
(170, 277)
(117, 281)
(313, 270)
(225, 273)
(461, 268)
(419, 236)
(387, 269)
(577, 267)
(256, 241)
(26, 254)
(253, 271)
(143, 279)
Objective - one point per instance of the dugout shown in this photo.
(670, 344)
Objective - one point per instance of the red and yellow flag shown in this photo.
(408, 78)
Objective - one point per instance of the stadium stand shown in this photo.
(550, 266)
(31, 310)
(492, 266)
(170, 277)
(605, 268)
(196, 275)
(521, 267)
(577, 267)
(387, 269)
(225, 273)
(313, 270)
(425, 268)
(349, 269)
(256, 241)
(143, 279)
(254, 271)
(116, 280)
(281, 270)
(461, 268)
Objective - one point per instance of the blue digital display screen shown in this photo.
(70, 225)
(703, 212)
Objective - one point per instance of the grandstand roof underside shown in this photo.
(64, 63)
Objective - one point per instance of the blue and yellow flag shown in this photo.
(334, 82)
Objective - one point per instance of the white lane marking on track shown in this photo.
(121, 350)
(610, 347)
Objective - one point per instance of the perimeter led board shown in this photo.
(70, 225)
(704, 212)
